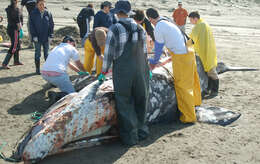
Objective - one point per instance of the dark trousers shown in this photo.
(131, 85)
(15, 47)
(38, 46)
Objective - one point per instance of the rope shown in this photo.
(2, 156)
(36, 116)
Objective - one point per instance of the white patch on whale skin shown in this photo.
(153, 101)
(154, 115)
(204, 115)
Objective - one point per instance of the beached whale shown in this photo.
(89, 115)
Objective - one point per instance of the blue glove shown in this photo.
(21, 33)
(150, 75)
(101, 77)
(83, 73)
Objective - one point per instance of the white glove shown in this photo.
(49, 39)
(35, 39)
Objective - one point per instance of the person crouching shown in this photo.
(54, 69)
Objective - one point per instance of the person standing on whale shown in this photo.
(186, 78)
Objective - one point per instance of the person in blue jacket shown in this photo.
(104, 18)
(41, 26)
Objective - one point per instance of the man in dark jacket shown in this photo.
(30, 6)
(84, 18)
(41, 26)
(104, 18)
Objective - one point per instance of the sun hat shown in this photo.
(100, 36)
(122, 6)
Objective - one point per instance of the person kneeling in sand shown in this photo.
(54, 69)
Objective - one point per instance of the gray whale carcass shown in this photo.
(90, 113)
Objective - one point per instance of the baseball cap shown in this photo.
(122, 6)
(106, 3)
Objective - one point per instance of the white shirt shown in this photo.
(169, 34)
(59, 58)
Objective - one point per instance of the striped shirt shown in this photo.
(117, 37)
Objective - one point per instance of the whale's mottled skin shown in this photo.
(90, 113)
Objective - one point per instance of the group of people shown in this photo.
(40, 26)
(120, 37)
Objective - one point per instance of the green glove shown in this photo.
(83, 73)
(21, 33)
(101, 77)
(150, 75)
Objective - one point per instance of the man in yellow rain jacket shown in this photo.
(186, 79)
(205, 47)
(95, 44)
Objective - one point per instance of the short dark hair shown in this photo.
(152, 13)
(40, 1)
(194, 14)
(106, 4)
(68, 38)
(138, 16)
(90, 5)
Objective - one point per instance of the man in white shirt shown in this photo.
(186, 79)
(54, 69)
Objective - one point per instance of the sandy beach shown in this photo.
(236, 27)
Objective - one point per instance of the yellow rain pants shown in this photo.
(1, 38)
(204, 44)
(89, 58)
(187, 85)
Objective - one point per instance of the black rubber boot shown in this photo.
(52, 97)
(61, 95)
(143, 132)
(206, 93)
(215, 87)
(55, 96)
(37, 66)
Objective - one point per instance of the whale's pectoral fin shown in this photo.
(242, 69)
(221, 68)
(216, 115)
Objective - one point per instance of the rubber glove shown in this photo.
(35, 39)
(101, 77)
(150, 75)
(21, 33)
(83, 73)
